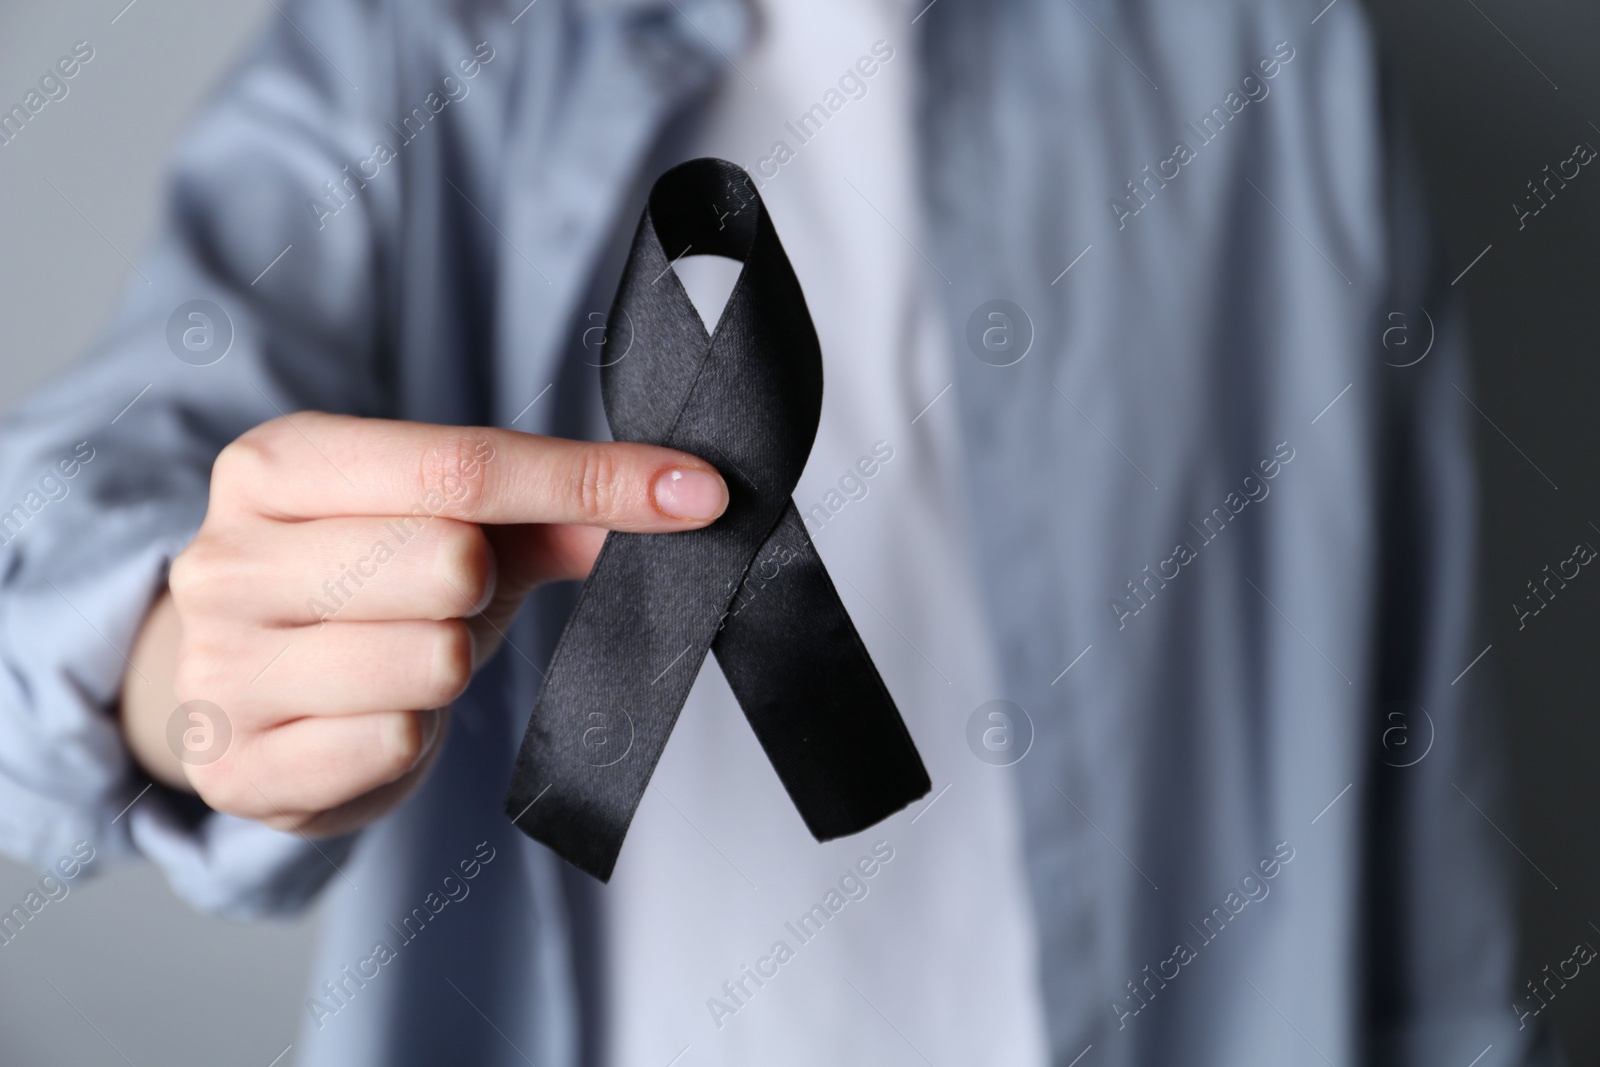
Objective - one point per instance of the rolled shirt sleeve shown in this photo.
(249, 305)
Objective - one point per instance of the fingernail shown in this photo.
(691, 494)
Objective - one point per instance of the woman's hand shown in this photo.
(349, 577)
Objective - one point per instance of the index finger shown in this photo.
(315, 465)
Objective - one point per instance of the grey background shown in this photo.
(1495, 90)
(1487, 121)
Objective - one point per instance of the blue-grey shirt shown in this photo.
(1215, 487)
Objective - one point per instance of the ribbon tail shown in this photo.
(812, 694)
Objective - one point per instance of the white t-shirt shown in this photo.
(733, 937)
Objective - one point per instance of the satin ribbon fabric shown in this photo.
(750, 587)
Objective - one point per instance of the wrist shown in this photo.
(149, 696)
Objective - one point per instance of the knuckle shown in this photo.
(188, 574)
(452, 661)
(286, 431)
(239, 465)
(598, 485)
(465, 563)
(223, 788)
(454, 474)
(200, 573)
(261, 450)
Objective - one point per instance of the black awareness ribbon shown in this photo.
(750, 587)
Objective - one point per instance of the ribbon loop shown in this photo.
(750, 587)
